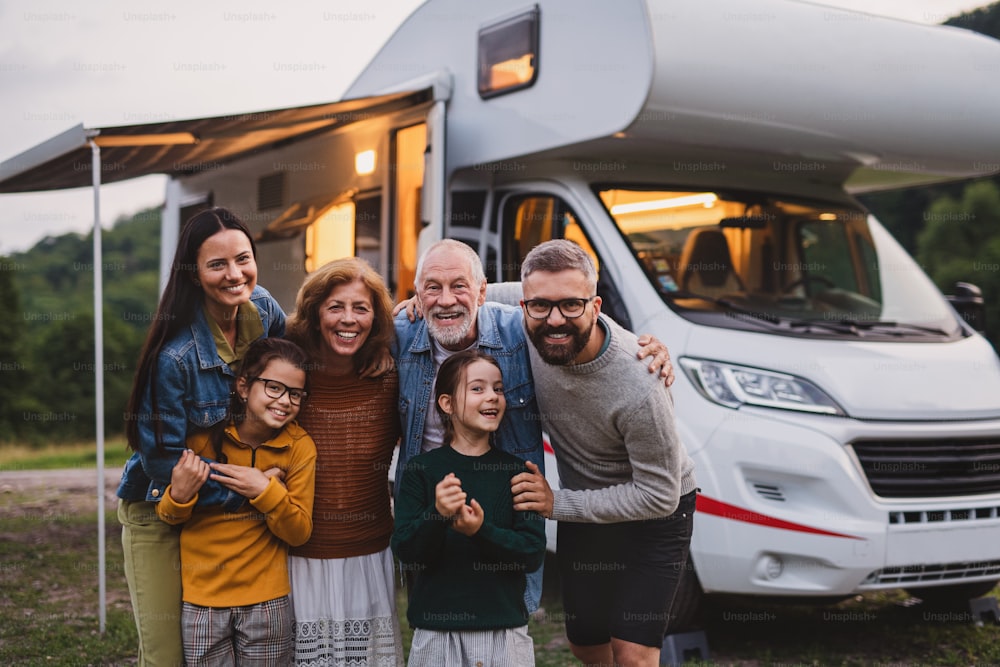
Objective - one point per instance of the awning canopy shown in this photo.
(184, 146)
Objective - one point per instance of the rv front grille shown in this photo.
(915, 574)
(963, 514)
(930, 468)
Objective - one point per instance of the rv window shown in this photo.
(528, 220)
(330, 236)
(345, 229)
(508, 54)
(467, 209)
(532, 219)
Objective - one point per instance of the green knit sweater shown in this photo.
(466, 583)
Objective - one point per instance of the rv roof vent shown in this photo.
(271, 191)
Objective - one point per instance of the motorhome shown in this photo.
(844, 419)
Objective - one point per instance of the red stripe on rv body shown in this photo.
(714, 507)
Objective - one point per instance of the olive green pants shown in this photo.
(153, 571)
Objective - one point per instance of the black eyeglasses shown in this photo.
(540, 309)
(276, 389)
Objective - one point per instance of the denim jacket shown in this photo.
(193, 386)
(501, 334)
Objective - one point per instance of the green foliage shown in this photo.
(64, 372)
(961, 242)
(48, 393)
(985, 20)
(12, 368)
(902, 211)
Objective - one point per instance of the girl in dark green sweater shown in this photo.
(457, 530)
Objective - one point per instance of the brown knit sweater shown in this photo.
(355, 424)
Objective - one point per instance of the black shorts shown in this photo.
(619, 579)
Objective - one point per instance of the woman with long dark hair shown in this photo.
(210, 312)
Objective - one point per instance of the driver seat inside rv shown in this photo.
(706, 266)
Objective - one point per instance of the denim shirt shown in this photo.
(193, 386)
(501, 334)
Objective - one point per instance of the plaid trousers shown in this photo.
(257, 635)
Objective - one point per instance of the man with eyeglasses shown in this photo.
(451, 297)
(626, 503)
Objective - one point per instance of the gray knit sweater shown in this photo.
(611, 423)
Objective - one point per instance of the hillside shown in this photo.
(47, 352)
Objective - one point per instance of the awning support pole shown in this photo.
(99, 381)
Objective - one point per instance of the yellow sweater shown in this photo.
(233, 559)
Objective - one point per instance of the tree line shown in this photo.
(47, 369)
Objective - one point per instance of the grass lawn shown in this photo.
(49, 600)
(59, 457)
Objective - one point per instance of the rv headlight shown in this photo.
(732, 386)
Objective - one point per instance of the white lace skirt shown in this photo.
(345, 611)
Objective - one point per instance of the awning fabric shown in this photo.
(184, 146)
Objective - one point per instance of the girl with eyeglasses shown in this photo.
(236, 608)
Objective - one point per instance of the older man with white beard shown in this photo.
(451, 295)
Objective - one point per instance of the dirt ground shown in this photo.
(72, 491)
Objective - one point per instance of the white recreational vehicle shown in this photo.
(844, 420)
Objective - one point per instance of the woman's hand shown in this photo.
(187, 477)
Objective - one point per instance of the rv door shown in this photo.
(432, 198)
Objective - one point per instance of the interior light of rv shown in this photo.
(827, 216)
(706, 199)
(513, 72)
(364, 162)
(734, 386)
(331, 235)
(508, 54)
(167, 139)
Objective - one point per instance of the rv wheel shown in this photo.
(955, 595)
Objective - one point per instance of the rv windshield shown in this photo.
(766, 262)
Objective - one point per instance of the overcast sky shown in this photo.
(125, 62)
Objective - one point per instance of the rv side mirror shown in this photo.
(968, 302)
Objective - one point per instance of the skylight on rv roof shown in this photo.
(508, 54)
